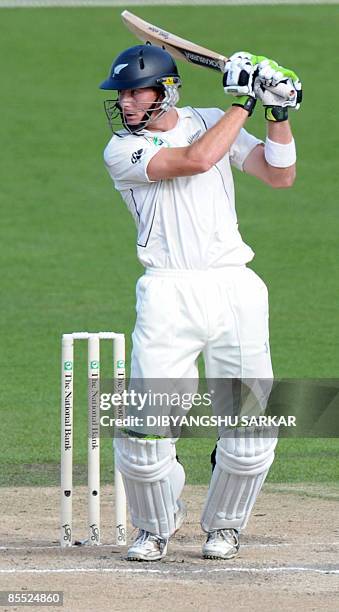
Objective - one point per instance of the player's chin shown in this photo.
(132, 118)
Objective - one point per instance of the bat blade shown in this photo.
(178, 47)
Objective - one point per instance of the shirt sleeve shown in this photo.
(243, 144)
(126, 160)
(209, 116)
(242, 147)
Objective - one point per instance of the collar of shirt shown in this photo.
(183, 113)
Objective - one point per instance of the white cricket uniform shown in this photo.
(197, 294)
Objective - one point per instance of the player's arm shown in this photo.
(278, 89)
(257, 165)
(204, 153)
(201, 155)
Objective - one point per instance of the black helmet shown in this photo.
(141, 66)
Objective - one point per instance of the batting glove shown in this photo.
(238, 79)
(277, 88)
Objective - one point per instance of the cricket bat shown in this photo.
(183, 49)
(178, 47)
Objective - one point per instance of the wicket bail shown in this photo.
(67, 376)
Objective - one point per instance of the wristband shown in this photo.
(276, 113)
(280, 155)
(246, 102)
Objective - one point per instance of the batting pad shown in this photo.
(153, 481)
(243, 460)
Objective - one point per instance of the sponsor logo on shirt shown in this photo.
(159, 142)
(194, 137)
(136, 156)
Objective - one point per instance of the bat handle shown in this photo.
(285, 90)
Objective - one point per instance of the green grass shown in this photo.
(302, 460)
(68, 244)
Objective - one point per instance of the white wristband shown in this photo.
(280, 155)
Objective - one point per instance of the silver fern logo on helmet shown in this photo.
(119, 68)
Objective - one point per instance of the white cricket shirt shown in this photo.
(186, 222)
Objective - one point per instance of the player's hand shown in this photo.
(238, 79)
(238, 74)
(278, 87)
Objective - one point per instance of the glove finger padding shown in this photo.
(284, 94)
(239, 74)
(277, 86)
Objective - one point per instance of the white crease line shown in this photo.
(182, 546)
(115, 570)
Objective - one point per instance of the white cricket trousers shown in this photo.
(221, 313)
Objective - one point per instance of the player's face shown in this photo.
(135, 102)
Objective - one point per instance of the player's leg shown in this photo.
(167, 341)
(238, 346)
(168, 333)
(166, 345)
(242, 463)
(153, 480)
(240, 353)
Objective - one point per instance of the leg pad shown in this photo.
(153, 481)
(243, 460)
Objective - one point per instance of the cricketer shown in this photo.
(173, 168)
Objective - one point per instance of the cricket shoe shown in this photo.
(152, 547)
(147, 547)
(221, 544)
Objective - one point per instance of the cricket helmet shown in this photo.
(139, 67)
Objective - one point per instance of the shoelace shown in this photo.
(146, 535)
(142, 536)
(226, 535)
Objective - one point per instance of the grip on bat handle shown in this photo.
(284, 89)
